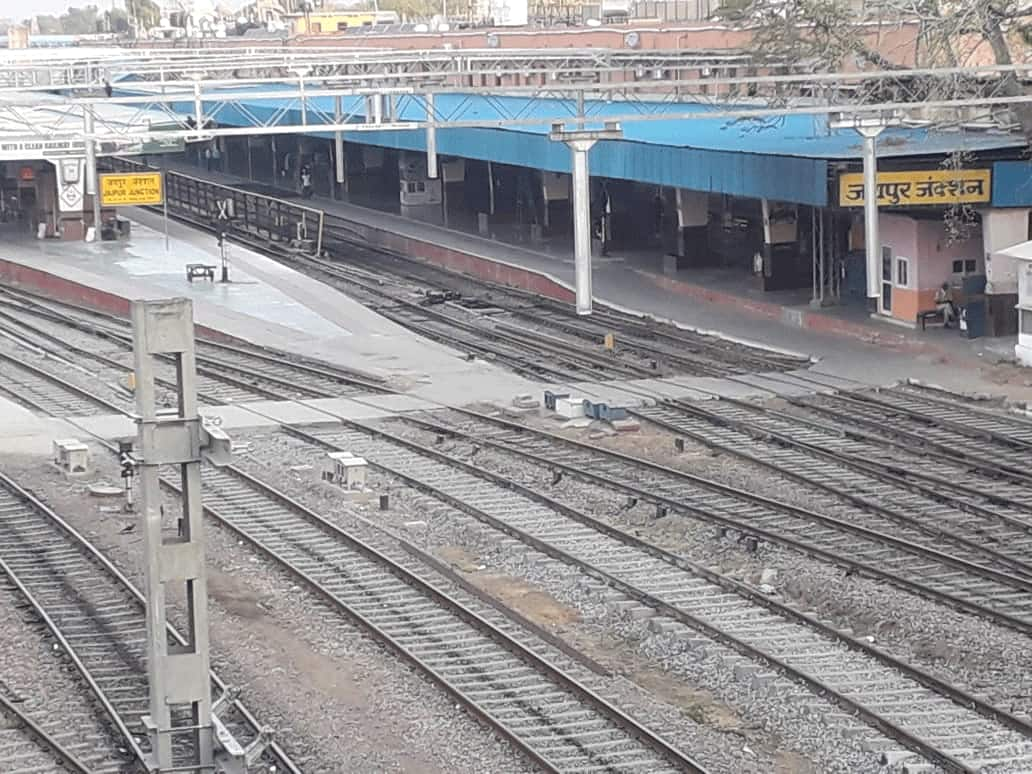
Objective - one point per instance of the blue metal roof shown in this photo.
(1012, 184)
(784, 158)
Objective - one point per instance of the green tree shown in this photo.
(80, 21)
(49, 25)
(146, 12)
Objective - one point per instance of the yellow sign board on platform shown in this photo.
(919, 187)
(137, 188)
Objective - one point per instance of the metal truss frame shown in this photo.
(327, 90)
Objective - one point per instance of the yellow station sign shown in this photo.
(138, 188)
(920, 187)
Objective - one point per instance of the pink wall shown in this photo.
(925, 243)
(936, 254)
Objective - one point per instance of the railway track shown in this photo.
(646, 349)
(533, 355)
(553, 719)
(534, 703)
(996, 595)
(991, 453)
(923, 714)
(96, 617)
(226, 372)
(48, 393)
(675, 349)
(28, 748)
(982, 530)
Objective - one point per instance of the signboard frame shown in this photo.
(131, 189)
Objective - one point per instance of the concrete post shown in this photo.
(338, 142)
(431, 139)
(582, 223)
(179, 676)
(872, 239)
(580, 142)
(92, 181)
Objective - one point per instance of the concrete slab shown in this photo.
(397, 403)
(777, 383)
(34, 435)
(235, 417)
(715, 386)
(106, 426)
(346, 408)
(287, 412)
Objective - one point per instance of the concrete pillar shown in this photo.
(692, 228)
(431, 139)
(1002, 228)
(871, 237)
(582, 223)
(92, 183)
(178, 677)
(338, 146)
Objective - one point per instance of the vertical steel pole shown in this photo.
(164, 204)
(92, 183)
(872, 239)
(581, 223)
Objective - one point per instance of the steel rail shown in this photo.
(766, 435)
(93, 555)
(643, 336)
(591, 364)
(905, 439)
(65, 760)
(746, 528)
(207, 365)
(879, 399)
(443, 599)
(75, 390)
(203, 396)
(887, 727)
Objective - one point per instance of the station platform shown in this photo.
(265, 303)
(844, 339)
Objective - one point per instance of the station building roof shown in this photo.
(785, 158)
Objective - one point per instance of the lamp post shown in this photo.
(580, 141)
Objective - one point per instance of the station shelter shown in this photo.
(43, 172)
(770, 204)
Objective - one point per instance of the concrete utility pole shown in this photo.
(580, 141)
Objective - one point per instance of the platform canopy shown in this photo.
(52, 128)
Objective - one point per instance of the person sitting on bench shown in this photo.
(944, 303)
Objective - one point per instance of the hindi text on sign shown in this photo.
(140, 189)
(919, 187)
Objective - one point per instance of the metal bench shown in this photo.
(203, 270)
(930, 315)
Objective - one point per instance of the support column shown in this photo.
(92, 183)
(1002, 228)
(582, 223)
(338, 146)
(431, 139)
(580, 142)
(692, 228)
(872, 239)
(178, 675)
